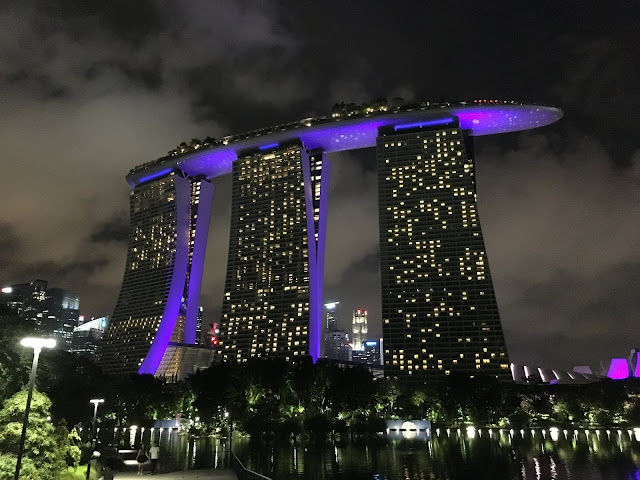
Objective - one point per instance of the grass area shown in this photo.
(78, 474)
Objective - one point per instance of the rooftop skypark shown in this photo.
(348, 127)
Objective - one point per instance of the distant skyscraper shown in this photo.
(60, 316)
(159, 298)
(332, 342)
(439, 309)
(330, 324)
(273, 292)
(199, 327)
(51, 311)
(87, 336)
(338, 346)
(369, 353)
(360, 328)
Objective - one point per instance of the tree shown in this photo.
(14, 365)
(388, 396)
(44, 456)
(71, 381)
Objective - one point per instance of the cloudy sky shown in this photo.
(90, 89)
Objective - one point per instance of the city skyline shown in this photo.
(563, 245)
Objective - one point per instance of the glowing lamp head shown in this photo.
(7, 289)
(97, 401)
(38, 343)
(331, 306)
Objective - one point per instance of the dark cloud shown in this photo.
(133, 21)
(90, 89)
(8, 238)
(61, 273)
(114, 230)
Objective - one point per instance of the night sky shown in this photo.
(88, 90)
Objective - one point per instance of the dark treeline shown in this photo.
(271, 396)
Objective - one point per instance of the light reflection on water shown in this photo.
(500, 454)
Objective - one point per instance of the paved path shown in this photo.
(184, 474)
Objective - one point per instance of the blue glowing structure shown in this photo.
(155, 175)
(316, 252)
(430, 123)
(354, 133)
(183, 268)
(268, 146)
(176, 288)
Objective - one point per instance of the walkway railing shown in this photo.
(242, 472)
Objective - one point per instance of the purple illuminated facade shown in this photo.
(273, 293)
(352, 132)
(158, 301)
(202, 192)
(618, 369)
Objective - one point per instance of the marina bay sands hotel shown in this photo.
(439, 309)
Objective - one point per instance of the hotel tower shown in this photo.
(439, 309)
(159, 299)
(272, 303)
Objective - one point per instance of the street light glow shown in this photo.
(94, 432)
(7, 289)
(38, 343)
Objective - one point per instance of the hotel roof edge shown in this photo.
(349, 134)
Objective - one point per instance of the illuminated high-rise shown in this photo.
(359, 328)
(330, 324)
(159, 297)
(273, 292)
(439, 309)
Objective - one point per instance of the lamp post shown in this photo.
(37, 344)
(96, 402)
(230, 425)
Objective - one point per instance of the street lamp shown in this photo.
(37, 344)
(227, 416)
(96, 402)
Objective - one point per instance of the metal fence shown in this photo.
(242, 472)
